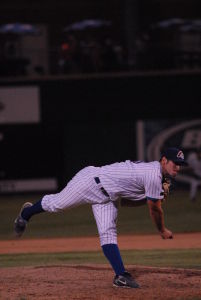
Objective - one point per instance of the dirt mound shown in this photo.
(95, 282)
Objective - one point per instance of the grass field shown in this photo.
(179, 258)
(180, 216)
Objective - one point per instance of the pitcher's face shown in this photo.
(169, 167)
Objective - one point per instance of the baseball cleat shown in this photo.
(125, 281)
(20, 224)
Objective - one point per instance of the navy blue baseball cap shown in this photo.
(176, 155)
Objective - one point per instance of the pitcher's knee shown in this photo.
(108, 238)
(51, 204)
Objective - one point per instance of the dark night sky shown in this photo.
(156, 10)
(63, 11)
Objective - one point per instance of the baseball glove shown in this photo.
(166, 188)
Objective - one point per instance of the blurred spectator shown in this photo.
(115, 55)
(90, 55)
(11, 63)
(68, 55)
(109, 56)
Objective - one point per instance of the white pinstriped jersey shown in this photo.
(132, 180)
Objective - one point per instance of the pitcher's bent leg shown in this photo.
(69, 197)
(106, 218)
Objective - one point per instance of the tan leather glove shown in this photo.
(166, 187)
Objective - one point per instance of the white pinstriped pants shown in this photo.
(82, 189)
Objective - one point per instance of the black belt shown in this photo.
(97, 180)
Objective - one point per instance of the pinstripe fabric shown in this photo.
(130, 180)
(81, 189)
(106, 220)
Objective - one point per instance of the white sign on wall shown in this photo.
(28, 185)
(19, 105)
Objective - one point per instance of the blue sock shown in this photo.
(112, 253)
(28, 212)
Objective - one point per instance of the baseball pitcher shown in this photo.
(102, 187)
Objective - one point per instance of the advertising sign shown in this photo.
(155, 136)
(19, 105)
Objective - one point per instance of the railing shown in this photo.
(55, 64)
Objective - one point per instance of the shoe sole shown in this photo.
(122, 286)
(125, 286)
(26, 204)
